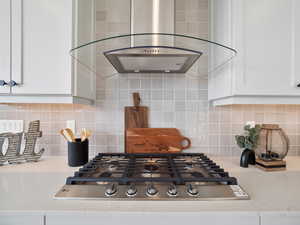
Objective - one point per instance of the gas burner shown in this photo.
(112, 167)
(189, 166)
(197, 174)
(111, 164)
(151, 167)
(105, 174)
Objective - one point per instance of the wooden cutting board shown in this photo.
(155, 140)
(136, 116)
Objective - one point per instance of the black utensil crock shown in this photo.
(78, 153)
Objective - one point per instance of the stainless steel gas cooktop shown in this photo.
(151, 177)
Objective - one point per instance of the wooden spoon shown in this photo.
(62, 134)
(85, 134)
(70, 134)
(66, 135)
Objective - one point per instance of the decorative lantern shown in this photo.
(272, 148)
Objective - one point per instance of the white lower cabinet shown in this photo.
(21, 219)
(278, 218)
(147, 218)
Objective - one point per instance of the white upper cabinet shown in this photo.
(5, 44)
(39, 35)
(47, 39)
(266, 36)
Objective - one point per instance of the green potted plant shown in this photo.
(248, 141)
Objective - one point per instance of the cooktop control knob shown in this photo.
(192, 190)
(111, 190)
(151, 190)
(172, 191)
(132, 191)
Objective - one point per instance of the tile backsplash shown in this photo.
(174, 100)
(211, 129)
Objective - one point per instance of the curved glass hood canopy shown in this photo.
(153, 53)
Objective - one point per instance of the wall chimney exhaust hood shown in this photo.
(153, 46)
(152, 59)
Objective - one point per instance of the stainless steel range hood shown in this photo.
(151, 59)
(151, 46)
(152, 16)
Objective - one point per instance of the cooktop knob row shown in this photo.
(151, 190)
(192, 190)
(111, 190)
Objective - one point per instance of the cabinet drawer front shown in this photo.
(150, 218)
(21, 218)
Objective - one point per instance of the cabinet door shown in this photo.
(286, 218)
(46, 37)
(220, 27)
(296, 45)
(11, 218)
(5, 44)
(84, 78)
(267, 46)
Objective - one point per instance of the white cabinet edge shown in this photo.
(281, 213)
(22, 213)
(256, 100)
(40, 99)
(148, 213)
(17, 41)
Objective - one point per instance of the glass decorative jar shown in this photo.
(273, 143)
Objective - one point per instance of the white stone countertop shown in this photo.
(30, 188)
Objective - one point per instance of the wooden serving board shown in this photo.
(136, 116)
(155, 140)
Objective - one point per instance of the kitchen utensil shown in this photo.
(78, 152)
(63, 132)
(70, 134)
(66, 135)
(155, 140)
(82, 135)
(85, 134)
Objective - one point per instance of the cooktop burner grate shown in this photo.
(125, 169)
